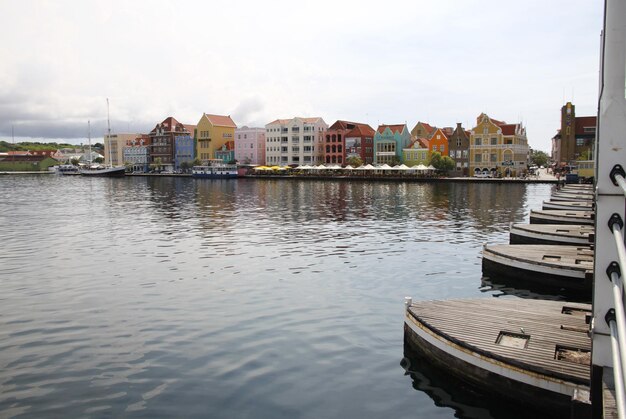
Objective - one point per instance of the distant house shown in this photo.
(212, 133)
(422, 130)
(227, 152)
(389, 141)
(114, 148)
(439, 142)
(345, 139)
(137, 153)
(458, 143)
(163, 139)
(296, 141)
(26, 163)
(416, 153)
(250, 145)
(498, 147)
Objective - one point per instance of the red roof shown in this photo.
(169, 124)
(508, 129)
(361, 130)
(429, 128)
(425, 143)
(393, 128)
(357, 129)
(220, 120)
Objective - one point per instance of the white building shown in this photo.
(250, 145)
(294, 141)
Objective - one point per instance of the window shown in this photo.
(477, 141)
(494, 141)
(478, 158)
(493, 157)
(580, 142)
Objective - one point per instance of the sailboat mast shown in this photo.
(109, 134)
(89, 137)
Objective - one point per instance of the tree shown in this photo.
(184, 166)
(157, 164)
(447, 164)
(98, 160)
(585, 155)
(354, 161)
(196, 162)
(395, 161)
(442, 163)
(435, 159)
(539, 158)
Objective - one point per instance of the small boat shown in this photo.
(558, 234)
(561, 217)
(567, 205)
(559, 196)
(522, 351)
(549, 265)
(215, 171)
(67, 169)
(103, 171)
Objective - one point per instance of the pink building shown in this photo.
(250, 145)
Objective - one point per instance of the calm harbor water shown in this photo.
(166, 297)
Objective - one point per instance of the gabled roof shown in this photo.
(361, 130)
(427, 127)
(441, 130)
(416, 143)
(394, 128)
(424, 142)
(509, 129)
(220, 120)
(357, 129)
(169, 124)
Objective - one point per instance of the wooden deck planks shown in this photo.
(476, 324)
(561, 217)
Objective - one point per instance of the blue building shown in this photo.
(184, 150)
(389, 141)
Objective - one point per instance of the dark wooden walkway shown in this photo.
(561, 217)
(545, 337)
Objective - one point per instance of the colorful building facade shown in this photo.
(344, 140)
(137, 153)
(459, 145)
(250, 145)
(389, 141)
(439, 142)
(498, 148)
(163, 138)
(212, 134)
(416, 153)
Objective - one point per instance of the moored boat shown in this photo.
(103, 171)
(67, 169)
(529, 351)
(567, 205)
(561, 196)
(215, 171)
(557, 234)
(561, 217)
(550, 265)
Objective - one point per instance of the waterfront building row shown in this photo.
(493, 146)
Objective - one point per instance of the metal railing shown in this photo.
(609, 323)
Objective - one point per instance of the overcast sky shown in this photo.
(438, 61)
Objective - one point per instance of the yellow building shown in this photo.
(114, 148)
(212, 133)
(498, 148)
